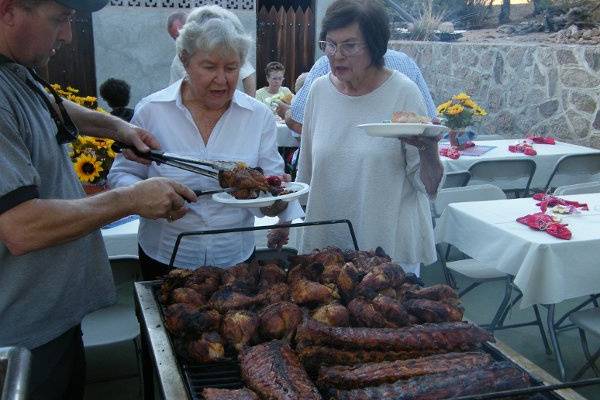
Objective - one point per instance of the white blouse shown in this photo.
(374, 182)
(246, 132)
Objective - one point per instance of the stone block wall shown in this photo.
(526, 88)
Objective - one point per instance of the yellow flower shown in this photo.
(72, 89)
(462, 96)
(479, 111)
(456, 109)
(88, 168)
(444, 106)
(469, 103)
(86, 140)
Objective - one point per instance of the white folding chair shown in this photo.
(513, 176)
(476, 271)
(587, 321)
(110, 335)
(574, 168)
(578, 188)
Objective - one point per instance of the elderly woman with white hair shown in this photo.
(203, 116)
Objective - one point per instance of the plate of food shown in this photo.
(405, 124)
(288, 191)
(249, 187)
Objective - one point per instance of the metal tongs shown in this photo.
(210, 169)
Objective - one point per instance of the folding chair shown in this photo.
(578, 188)
(574, 168)
(587, 320)
(513, 176)
(477, 271)
(456, 179)
(109, 333)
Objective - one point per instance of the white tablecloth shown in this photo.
(546, 158)
(548, 270)
(286, 137)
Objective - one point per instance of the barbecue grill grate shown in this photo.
(222, 375)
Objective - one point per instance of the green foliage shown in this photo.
(463, 13)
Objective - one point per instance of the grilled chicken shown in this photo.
(226, 299)
(274, 294)
(436, 292)
(273, 371)
(494, 377)
(270, 275)
(187, 295)
(228, 394)
(373, 374)
(239, 328)
(279, 320)
(309, 293)
(392, 310)
(208, 347)
(388, 275)
(185, 318)
(248, 182)
(364, 313)
(333, 314)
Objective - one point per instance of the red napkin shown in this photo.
(547, 200)
(450, 152)
(523, 147)
(543, 222)
(541, 139)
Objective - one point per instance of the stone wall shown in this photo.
(526, 88)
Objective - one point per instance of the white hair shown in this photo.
(210, 28)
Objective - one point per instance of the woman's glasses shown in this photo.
(347, 49)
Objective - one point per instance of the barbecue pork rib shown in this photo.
(273, 371)
(374, 374)
(433, 311)
(434, 338)
(495, 377)
(314, 357)
(228, 394)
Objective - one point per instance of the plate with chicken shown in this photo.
(249, 187)
(405, 124)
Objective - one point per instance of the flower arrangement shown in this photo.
(91, 157)
(460, 111)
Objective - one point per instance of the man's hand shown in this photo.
(140, 138)
(272, 211)
(161, 198)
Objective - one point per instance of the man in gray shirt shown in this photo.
(53, 264)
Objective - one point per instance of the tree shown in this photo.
(504, 16)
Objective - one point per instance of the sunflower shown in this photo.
(462, 96)
(88, 168)
(444, 106)
(469, 103)
(455, 110)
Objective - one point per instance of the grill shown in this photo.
(14, 372)
(180, 379)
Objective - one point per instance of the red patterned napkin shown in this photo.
(547, 200)
(541, 139)
(543, 222)
(450, 152)
(522, 147)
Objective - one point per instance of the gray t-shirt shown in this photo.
(44, 292)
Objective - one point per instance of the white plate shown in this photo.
(265, 199)
(396, 130)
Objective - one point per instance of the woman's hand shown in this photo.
(282, 108)
(138, 137)
(423, 143)
(275, 209)
(277, 238)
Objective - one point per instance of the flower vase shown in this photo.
(458, 138)
(91, 189)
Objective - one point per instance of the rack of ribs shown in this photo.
(433, 338)
(374, 374)
(273, 371)
(228, 394)
(495, 377)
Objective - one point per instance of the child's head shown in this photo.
(275, 71)
(115, 92)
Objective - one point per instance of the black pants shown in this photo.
(58, 368)
(152, 269)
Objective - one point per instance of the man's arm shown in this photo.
(250, 85)
(293, 125)
(36, 224)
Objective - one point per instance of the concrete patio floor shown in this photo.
(105, 369)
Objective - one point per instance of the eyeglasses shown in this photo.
(66, 129)
(347, 49)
